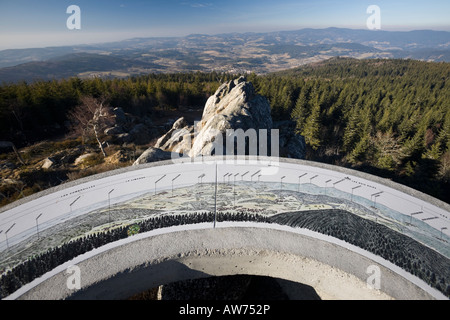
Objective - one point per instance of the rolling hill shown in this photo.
(235, 52)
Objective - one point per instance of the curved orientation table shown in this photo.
(336, 269)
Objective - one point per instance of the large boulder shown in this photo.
(119, 116)
(235, 105)
(116, 130)
(173, 139)
(235, 108)
(155, 154)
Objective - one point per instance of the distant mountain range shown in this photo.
(234, 52)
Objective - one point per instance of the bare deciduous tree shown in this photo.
(388, 145)
(444, 171)
(91, 118)
(8, 144)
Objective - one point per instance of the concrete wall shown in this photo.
(336, 270)
(386, 182)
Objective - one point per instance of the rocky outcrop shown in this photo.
(48, 163)
(235, 105)
(153, 155)
(126, 128)
(83, 158)
(174, 138)
(235, 109)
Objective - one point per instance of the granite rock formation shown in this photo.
(234, 112)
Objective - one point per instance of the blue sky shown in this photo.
(31, 23)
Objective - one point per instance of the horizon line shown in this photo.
(221, 34)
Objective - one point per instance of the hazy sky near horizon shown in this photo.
(31, 23)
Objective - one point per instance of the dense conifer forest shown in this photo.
(386, 117)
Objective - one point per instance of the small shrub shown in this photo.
(133, 230)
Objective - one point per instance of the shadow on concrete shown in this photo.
(133, 281)
(191, 285)
(232, 288)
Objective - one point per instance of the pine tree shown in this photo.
(301, 110)
(414, 147)
(312, 128)
(352, 132)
